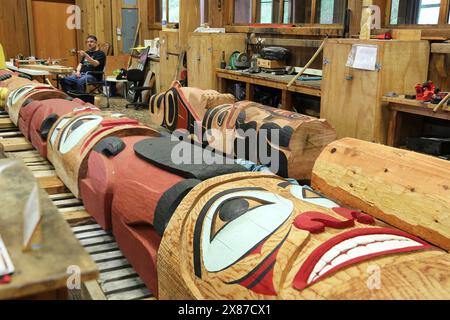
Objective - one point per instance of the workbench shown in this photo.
(42, 71)
(30, 72)
(312, 88)
(41, 273)
(400, 109)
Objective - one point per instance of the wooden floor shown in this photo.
(118, 280)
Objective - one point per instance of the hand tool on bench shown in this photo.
(314, 57)
(441, 104)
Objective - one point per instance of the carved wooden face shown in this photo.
(172, 111)
(180, 108)
(17, 94)
(235, 129)
(219, 127)
(36, 93)
(8, 86)
(73, 136)
(259, 236)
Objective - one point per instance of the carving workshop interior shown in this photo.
(224, 150)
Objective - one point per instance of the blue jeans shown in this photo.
(74, 84)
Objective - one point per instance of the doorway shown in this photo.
(126, 23)
(51, 37)
(130, 18)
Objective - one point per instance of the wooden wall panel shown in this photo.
(217, 16)
(147, 31)
(439, 71)
(355, 7)
(189, 20)
(144, 32)
(14, 34)
(47, 16)
(96, 19)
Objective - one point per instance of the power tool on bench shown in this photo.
(427, 91)
(239, 61)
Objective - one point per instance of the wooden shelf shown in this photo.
(314, 30)
(312, 88)
(268, 80)
(400, 108)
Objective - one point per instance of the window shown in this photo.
(289, 11)
(415, 12)
(266, 12)
(174, 10)
(170, 11)
(429, 11)
(204, 11)
(243, 11)
(330, 11)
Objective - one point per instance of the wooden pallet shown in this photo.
(118, 280)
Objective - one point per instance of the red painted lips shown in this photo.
(353, 247)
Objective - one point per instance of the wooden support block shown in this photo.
(408, 190)
(16, 144)
(77, 217)
(6, 123)
(440, 48)
(94, 291)
(407, 34)
(286, 100)
(441, 65)
(52, 185)
(249, 91)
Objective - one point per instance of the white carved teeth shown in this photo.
(358, 247)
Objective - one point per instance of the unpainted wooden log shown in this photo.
(408, 190)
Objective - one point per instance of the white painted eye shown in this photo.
(117, 115)
(17, 94)
(245, 228)
(77, 130)
(84, 109)
(309, 195)
(60, 125)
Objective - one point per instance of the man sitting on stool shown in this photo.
(91, 60)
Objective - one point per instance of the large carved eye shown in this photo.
(309, 195)
(237, 221)
(77, 130)
(222, 117)
(58, 128)
(17, 94)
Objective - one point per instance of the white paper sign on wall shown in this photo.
(363, 57)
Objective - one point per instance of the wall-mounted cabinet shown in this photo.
(351, 98)
(204, 54)
(170, 54)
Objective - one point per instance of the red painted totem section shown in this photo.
(33, 115)
(122, 193)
